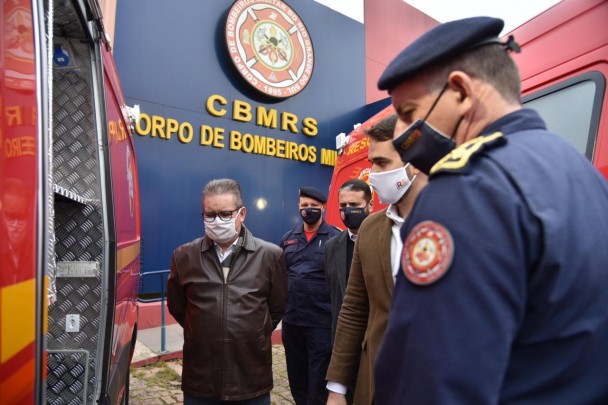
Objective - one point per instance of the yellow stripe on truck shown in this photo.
(126, 255)
(17, 317)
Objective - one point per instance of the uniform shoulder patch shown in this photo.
(427, 253)
(458, 159)
(290, 242)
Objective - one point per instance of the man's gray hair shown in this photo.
(224, 186)
(491, 63)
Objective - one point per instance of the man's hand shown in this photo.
(336, 399)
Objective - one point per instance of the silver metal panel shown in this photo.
(76, 164)
(79, 233)
(68, 371)
(77, 269)
(66, 22)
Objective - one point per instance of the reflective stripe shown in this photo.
(18, 385)
(17, 317)
(126, 255)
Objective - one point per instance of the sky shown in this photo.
(513, 12)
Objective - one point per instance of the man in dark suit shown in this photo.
(355, 199)
(367, 299)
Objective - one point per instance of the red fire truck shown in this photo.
(564, 66)
(69, 209)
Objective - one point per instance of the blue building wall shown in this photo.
(171, 58)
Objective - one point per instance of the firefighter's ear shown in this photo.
(463, 90)
(458, 83)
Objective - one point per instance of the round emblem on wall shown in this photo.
(270, 47)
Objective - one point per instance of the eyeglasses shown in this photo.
(224, 215)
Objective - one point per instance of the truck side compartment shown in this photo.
(77, 318)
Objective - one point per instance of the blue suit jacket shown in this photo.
(521, 315)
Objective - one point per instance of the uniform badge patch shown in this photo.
(427, 253)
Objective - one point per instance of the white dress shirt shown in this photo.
(396, 242)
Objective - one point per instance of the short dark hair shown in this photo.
(490, 63)
(383, 130)
(224, 186)
(358, 185)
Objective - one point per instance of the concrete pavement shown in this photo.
(149, 345)
(156, 373)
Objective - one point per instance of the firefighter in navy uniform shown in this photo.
(502, 294)
(306, 329)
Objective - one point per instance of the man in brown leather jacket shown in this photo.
(228, 290)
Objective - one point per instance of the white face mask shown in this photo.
(391, 185)
(222, 231)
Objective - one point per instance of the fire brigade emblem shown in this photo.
(270, 47)
(427, 253)
(18, 59)
(364, 175)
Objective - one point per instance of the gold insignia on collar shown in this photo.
(459, 157)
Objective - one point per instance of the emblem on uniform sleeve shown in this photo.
(427, 253)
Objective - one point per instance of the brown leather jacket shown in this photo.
(227, 325)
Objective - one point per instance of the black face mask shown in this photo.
(310, 215)
(422, 145)
(353, 216)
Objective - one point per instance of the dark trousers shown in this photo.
(261, 400)
(307, 352)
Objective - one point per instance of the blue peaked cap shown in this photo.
(313, 193)
(440, 44)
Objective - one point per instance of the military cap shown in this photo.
(313, 193)
(438, 45)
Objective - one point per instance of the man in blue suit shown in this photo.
(306, 329)
(501, 297)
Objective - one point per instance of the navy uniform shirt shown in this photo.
(309, 302)
(520, 314)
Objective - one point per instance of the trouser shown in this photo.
(307, 352)
(261, 400)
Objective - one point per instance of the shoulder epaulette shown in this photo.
(458, 159)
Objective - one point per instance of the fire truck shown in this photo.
(69, 209)
(563, 65)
